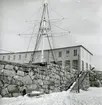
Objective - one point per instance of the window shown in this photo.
(9, 57)
(14, 57)
(67, 52)
(59, 63)
(75, 64)
(82, 65)
(26, 55)
(75, 52)
(86, 66)
(67, 63)
(19, 57)
(90, 67)
(3, 58)
(60, 54)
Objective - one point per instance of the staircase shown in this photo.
(78, 83)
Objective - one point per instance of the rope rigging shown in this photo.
(45, 15)
(38, 37)
(55, 11)
(31, 37)
(34, 14)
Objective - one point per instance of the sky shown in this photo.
(82, 17)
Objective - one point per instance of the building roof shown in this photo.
(49, 49)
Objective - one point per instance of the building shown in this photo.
(66, 56)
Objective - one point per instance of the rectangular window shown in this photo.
(26, 55)
(75, 52)
(9, 57)
(67, 52)
(82, 65)
(90, 67)
(14, 57)
(86, 66)
(60, 54)
(67, 63)
(75, 64)
(19, 57)
(3, 58)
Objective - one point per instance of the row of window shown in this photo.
(67, 52)
(86, 66)
(14, 57)
(59, 55)
(68, 63)
(75, 64)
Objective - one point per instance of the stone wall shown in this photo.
(46, 79)
(95, 78)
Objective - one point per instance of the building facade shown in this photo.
(75, 57)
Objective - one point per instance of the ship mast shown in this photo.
(44, 28)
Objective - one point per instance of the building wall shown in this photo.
(66, 55)
(86, 58)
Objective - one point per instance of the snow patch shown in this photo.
(91, 97)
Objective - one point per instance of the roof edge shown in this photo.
(49, 49)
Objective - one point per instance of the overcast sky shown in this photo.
(84, 20)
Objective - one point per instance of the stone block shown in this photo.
(9, 72)
(40, 82)
(5, 91)
(27, 79)
(45, 86)
(33, 86)
(52, 87)
(47, 78)
(9, 67)
(46, 82)
(12, 88)
(1, 66)
(0, 96)
(57, 77)
(56, 90)
(1, 83)
(16, 94)
(21, 73)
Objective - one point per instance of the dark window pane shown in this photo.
(60, 54)
(9, 57)
(67, 63)
(90, 67)
(67, 52)
(19, 57)
(3, 58)
(75, 52)
(14, 57)
(86, 66)
(82, 65)
(25, 55)
(75, 64)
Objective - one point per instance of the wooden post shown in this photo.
(78, 73)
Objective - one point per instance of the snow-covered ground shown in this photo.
(91, 97)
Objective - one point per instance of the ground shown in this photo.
(91, 97)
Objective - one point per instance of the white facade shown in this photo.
(74, 57)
